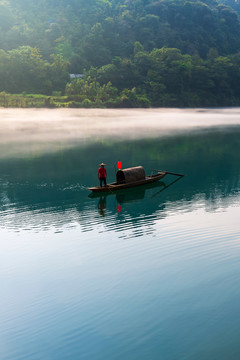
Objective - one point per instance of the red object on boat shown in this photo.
(119, 165)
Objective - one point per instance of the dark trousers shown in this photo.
(103, 180)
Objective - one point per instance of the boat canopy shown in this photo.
(130, 175)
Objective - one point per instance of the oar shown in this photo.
(168, 172)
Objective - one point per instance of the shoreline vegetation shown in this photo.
(160, 78)
(28, 101)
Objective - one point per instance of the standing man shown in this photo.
(102, 174)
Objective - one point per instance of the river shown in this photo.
(150, 273)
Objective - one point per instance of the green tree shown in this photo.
(88, 89)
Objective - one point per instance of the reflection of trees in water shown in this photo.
(47, 191)
(24, 207)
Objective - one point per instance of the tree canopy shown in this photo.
(136, 52)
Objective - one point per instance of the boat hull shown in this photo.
(114, 186)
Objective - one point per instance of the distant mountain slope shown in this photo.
(127, 53)
(92, 33)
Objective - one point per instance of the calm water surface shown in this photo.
(146, 274)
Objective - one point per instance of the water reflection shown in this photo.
(102, 205)
(50, 191)
(135, 195)
(143, 273)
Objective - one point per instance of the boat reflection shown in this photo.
(132, 195)
(124, 196)
(138, 193)
(121, 197)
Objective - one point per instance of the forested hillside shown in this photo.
(128, 52)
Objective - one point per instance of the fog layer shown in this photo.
(41, 130)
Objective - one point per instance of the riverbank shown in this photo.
(35, 101)
(58, 101)
(67, 101)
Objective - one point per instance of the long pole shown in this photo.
(168, 172)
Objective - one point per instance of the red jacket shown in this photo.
(102, 172)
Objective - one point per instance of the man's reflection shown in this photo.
(102, 206)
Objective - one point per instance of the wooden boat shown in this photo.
(131, 177)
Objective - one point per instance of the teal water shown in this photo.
(146, 274)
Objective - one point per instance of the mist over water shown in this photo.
(150, 273)
(40, 130)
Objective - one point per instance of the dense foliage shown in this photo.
(128, 52)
